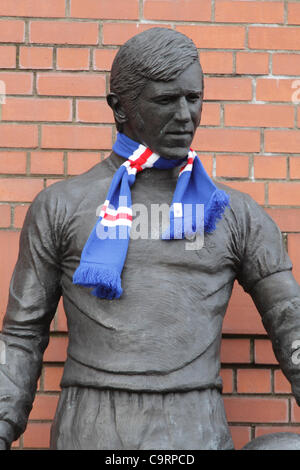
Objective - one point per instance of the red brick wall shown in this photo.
(55, 57)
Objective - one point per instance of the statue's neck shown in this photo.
(148, 174)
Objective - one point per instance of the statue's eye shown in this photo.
(192, 98)
(165, 99)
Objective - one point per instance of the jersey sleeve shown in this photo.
(33, 298)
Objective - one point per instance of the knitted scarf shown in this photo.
(105, 251)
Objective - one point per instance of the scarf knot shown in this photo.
(104, 254)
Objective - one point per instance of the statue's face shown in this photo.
(167, 114)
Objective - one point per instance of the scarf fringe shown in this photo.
(180, 228)
(215, 209)
(107, 281)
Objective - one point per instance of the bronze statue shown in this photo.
(142, 370)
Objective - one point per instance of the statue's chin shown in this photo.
(175, 155)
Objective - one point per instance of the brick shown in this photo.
(96, 111)
(33, 8)
(249, 11)
(7, 57)
(256, 410)
(71, 58)
(255, 190)
(47, 163)
(261, 430)
(281, 384)
(105, 155)
(60, 317)
(293, 13)
(242, 316)
(288, 220)
(259, 115)
(216, 88)
(295, 412)
(281, 38)
(106, 10)
(50, 181)
(227, 377)
(17, 83)
(34, 109)
(36, 57)
(215, 37)
(207, 162)
(180, 10)
(269, 167)
(254, 381)
(19, 189)
(57, 349)
(294, 168)
(210, 114)
(282, 141)
(18, 135)
(233, 166)
(235, 351)
(20, 212)
(13, 162)
(63, 32)
(52, 378)
(12, 31)
(103, 58)
(37, 436)
(286, 64)
(216, 62)
(76, 137)
(119, 33)
(284, 194)
(79, 162)
(241, 435)
(293, 250)
(16, 444)
(227, 140)
(68, 84)
(9, 246)
(252, 63)
(44, 407)
(275, 89)
(5, 215)
(263, 352)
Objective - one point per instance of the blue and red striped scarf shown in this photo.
(105, 251)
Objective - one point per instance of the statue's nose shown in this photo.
(183, 113)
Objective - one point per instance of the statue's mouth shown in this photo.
(180, 133)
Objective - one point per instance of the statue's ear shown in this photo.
(114, 102)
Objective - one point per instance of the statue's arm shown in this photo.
(277, 298)
(33, 298)
(264, 270)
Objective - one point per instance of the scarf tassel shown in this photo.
(107, 281)
(181, 227)
(215, 209)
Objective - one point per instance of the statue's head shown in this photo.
(156, 90)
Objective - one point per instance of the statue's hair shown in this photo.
(155, 54)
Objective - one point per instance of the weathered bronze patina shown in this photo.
(142, 371)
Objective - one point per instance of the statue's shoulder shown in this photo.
(74, 188)
(244, 211)
(60, 200)
(240, 201)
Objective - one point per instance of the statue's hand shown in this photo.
(3, 445)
